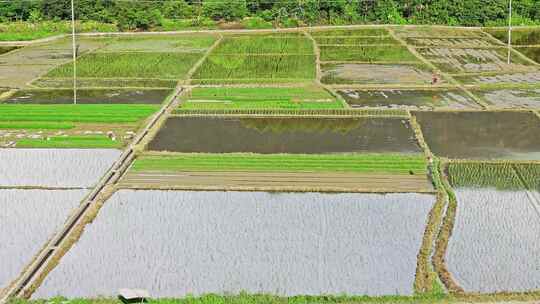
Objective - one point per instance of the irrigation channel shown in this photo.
(48, 252)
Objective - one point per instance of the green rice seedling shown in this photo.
(264, 45)
(19, 31)
(118, 113)
(132, 65)
(70, 142)
(500, 176)
(366, 53)
(362, 163)
(31, 125)
(256, 69)
(530, 173)
(351, 32)
(311, 97)
(355, 40)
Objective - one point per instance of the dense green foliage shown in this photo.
(178, 13)
(362, 163)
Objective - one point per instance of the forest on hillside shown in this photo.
(145, 14)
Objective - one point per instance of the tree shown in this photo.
(227, 9)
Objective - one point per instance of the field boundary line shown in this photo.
(200, 62)
(54, 248)
(317, 52)
(413, 50)
(445, 233)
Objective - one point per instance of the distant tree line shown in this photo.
(145, 14)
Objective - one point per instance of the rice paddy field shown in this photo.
(363, 164)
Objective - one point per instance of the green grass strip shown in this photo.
(360, 163)
(31, 125)
(97, 113)
(70, 142)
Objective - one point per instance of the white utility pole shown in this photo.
(509, 29)
(74, 52)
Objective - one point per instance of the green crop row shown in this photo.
(500, 176)
(351, 32)
(311, 97)
(70, 142)
(256, 44)
(356, 40)
(130, 65)
(298, 112)
(363, 163)
(75, 113)
(366, 53)
(255, 68)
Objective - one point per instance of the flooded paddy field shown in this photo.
(511, 98)
(28, 218)
(285, 135)
(472, 42)
(494, 245)
(228, 242)
(408, 99)
(95, 96)
(18, 69)
(352, 73)
(482, 135)
(470, 60)
(501, 78)
(67, 168)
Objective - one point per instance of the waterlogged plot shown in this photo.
(96, 96)
(494, 246)
(482, 135)
(99, 83)
(67, 168)
(161, 43)
(438, 32)
(225, 69)
(501, 78)
(285, 135)
(469, 60)
(18, 69)
(511, 98)
(350, 73)
(451, 42)
(310, 97)
(407, 99)
(229, 242)
(28, 218)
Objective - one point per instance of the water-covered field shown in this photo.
(285, 135)
(495, 243)
(69, 168)
(179, 243)
(28, 218)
